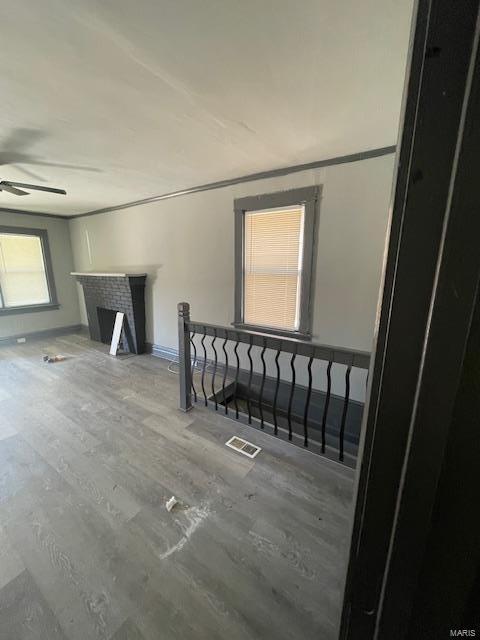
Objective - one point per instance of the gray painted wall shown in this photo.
(62, 262)
(186, 247)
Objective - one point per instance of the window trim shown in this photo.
(47, 261)
(309, 198)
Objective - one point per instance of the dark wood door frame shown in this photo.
(430, 281)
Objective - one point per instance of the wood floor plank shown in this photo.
(128, 631)
(24, 613)
(50, 422)
(18, 466)
(89, 480)
(11, 564)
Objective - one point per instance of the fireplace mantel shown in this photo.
(107, 274)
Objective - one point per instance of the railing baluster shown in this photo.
(327, 402)
(215, 362)
(250, 375)
(202, 342)
(275, 398)
(307, 402)
(192, 335)
(235, 350)
(262, 384)
(224, 379)
(292, 390)
(345, 409)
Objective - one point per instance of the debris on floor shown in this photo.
(51, 359)
(171, 503)
(194, 517)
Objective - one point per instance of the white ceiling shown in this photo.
(142, 98)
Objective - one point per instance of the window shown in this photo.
(274, 256)
(26, 277)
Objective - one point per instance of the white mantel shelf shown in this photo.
(106, 275)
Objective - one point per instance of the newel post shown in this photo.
(184, 359)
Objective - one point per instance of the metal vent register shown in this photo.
(242, 446)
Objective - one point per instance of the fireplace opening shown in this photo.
(106, 322)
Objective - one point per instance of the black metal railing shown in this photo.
(306, 403)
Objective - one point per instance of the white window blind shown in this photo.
(273, 267)
(23, 280)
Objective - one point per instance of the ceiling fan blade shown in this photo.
(16, 192)
(37, 187)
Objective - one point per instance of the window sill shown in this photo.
(34, 308)
(282, 333)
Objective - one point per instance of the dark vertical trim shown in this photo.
(47, 260)
(438, 77)
(454, 300)
(239, 239)
(307, 288)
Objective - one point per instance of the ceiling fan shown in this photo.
(11, 187)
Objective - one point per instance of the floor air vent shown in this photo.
(242, 446)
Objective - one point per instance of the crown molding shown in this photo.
(262, 175)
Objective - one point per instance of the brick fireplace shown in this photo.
(107, 293)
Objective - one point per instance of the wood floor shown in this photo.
(90, 450)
